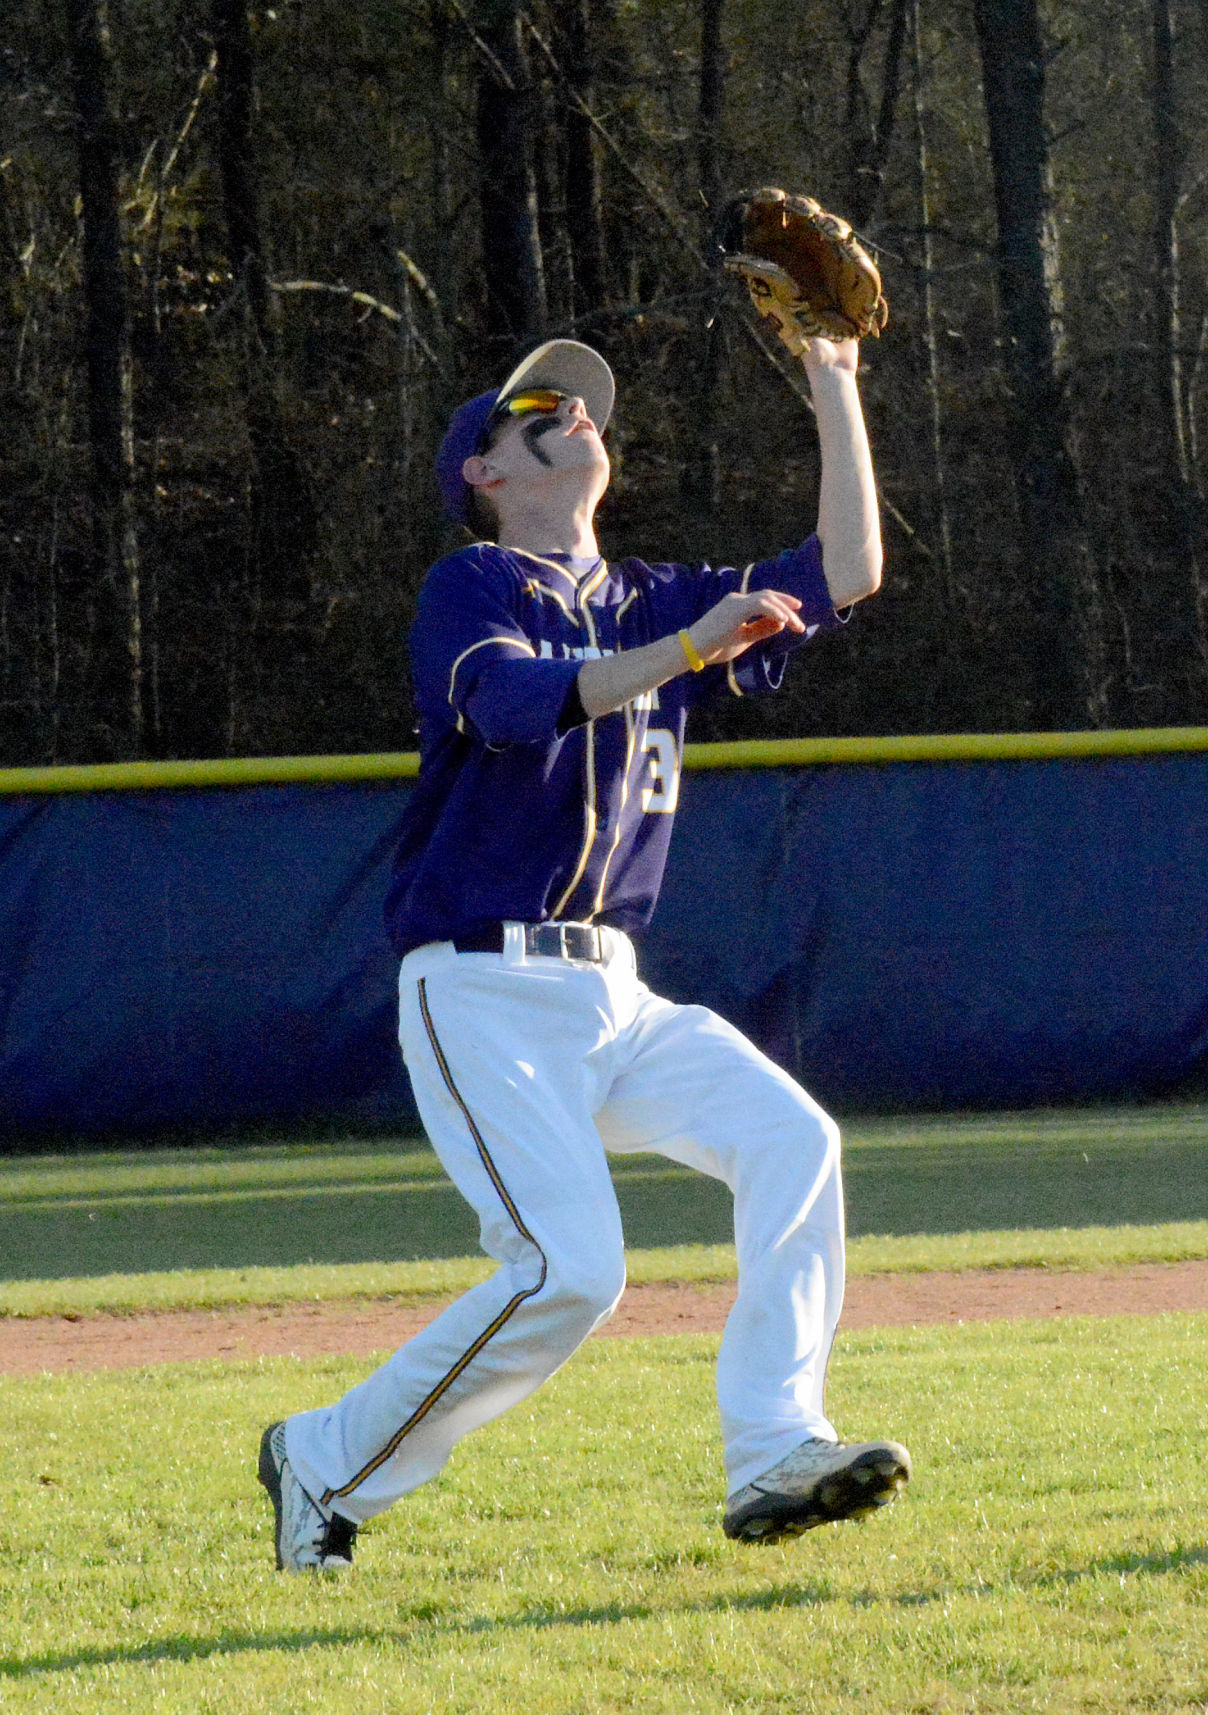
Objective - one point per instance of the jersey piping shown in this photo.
(630, 732)
(484, 643)
(505, 1315)
(539, 588)
(590, 815)
(588, 590)
(553, 565)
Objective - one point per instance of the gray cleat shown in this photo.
(817, 1483)
(307, 1539)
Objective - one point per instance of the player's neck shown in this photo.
(549, 529)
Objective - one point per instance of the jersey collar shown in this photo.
(575, 567)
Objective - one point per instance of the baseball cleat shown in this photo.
(306, 1538)
(817, 1483)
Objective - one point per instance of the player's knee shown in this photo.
(819, 1148)
(587, 1288)
(801, 1138)
(829, 1141)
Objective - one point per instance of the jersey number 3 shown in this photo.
(662, 793)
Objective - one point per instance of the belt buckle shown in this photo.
(588, 942)
(559, 940)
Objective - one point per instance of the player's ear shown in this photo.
(476, 471)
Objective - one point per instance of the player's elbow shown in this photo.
(855, 576)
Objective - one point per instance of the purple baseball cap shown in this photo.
(563, 364)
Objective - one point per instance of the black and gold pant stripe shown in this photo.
(509, 1310)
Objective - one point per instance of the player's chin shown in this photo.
(590, 455)
(591, 448)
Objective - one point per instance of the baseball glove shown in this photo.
(806, 273)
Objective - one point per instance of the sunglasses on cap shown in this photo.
(537, 401)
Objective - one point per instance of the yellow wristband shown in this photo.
(691, 653)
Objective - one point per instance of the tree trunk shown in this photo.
(511, 246)
(870, 139)
(442, 177)
(1184, 512)
(947, 583)
(284, 523)
(1054, 554)
(549, 174)
(1194, 381)
(617, 89)
(701, 471)
(583, 214)
(113, 671)
(241, 201)
(1168, 151)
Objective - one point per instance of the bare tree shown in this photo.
(513, 266)
(701, 470)
(440, 34)
(616, 85)
(1184, 513)
(284, 522)
(1168, 162)
(346, 140)
(871, 134)
(1054, 555)
(584, 221)
(947, 585)
(113, 671)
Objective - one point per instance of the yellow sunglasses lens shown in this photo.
(542, 400)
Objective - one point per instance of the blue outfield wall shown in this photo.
(926, 935)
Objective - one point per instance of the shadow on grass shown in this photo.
(945, 1187)
(1116, 1566)
(96, 1236)
(1132, 1566)
(793, 1594)
(426, 1614)
(181, 1649)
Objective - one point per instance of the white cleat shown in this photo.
(817, 1483)
(306, 1538)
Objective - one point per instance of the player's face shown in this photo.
(530, 449)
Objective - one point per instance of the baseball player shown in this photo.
(553, 688)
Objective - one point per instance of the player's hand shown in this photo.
(738, 621)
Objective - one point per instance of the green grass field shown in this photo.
(1052, 1553)
(361, 1205)
(1051, 1556)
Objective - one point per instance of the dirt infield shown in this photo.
(359, 1328)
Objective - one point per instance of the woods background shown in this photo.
(252, 256)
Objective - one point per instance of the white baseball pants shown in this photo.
(525, 1071)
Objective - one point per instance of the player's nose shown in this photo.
(576, 411)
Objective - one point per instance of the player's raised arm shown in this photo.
(849, 527)
(848, 531)
(818, 290)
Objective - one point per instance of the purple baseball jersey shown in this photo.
(519, 816)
